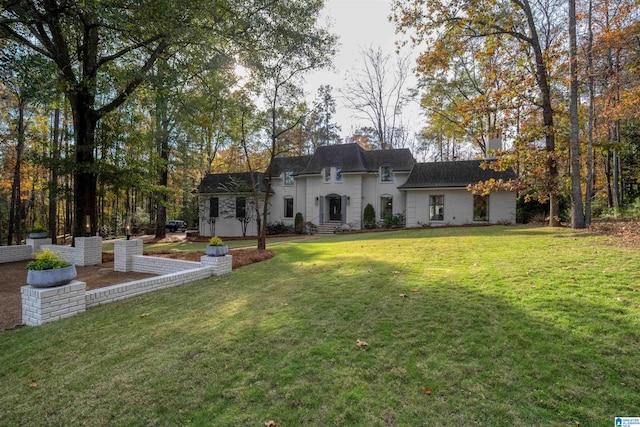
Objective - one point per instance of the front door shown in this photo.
(335, 209)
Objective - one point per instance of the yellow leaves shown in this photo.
(361, 344)
(33, 384)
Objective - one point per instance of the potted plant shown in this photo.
(38, 233)
(216, 247)
(49, 270)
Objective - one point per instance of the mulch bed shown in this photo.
(14, 276)
(626, 233)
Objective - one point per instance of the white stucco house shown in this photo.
(333, 186)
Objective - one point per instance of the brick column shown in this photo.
(220, 264)
(89, 250)
(43, 305)
(124, 251)
(37, 243)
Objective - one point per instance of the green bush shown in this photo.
(393, 221)
(47, 260)
(279, 228)
(369, 216)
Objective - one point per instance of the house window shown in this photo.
(386, 207)
(436, 208)
(288, 207)
(327, 174)
(480, 208)
(288, 178)
(214, 207)
(338, 174)
(241, 207)
(386, 174)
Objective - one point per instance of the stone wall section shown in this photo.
(156, 265)
(220, 264)
(88, 251)
(43, 305)
(15, 253)
(130, 289)
(36, 244)
(123, 253)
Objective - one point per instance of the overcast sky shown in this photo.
(360, 24)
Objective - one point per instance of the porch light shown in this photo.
(348, 200)
(317, 200)
(87, 225)
(128, 230)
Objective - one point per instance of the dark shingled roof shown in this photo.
(399, 159)
(291, 163)
(353, 158)
(349, 157)
(218, 183)
(451, 174)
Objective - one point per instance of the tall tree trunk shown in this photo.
(53, 180)
(542, 80)
(590, 166)
(577, 211)
(15, 208)
(254, 184)
(85, 176)
(162, 144)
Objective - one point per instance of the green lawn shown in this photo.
(491, 326)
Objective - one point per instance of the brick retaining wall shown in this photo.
(43, 305)
(130, 289)
(156, 265)
(88, 251)
(15, 253)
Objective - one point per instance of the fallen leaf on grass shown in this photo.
(415, 290)
(226, 366)
(396, 272)
(145, 314)
(33, 384)
(426, 390)
(270, 423)
(362, 343)
(232, 332)
(403, 295)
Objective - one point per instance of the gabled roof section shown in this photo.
(451, 174)
(288, 163)
(222, 182)
(353, 158)
(349, 157)
(399, 159)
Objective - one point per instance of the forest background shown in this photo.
(112, 114)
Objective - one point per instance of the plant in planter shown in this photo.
(49, 270)
(38, 233)
(216, 247)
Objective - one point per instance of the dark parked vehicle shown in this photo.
(176, 225)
